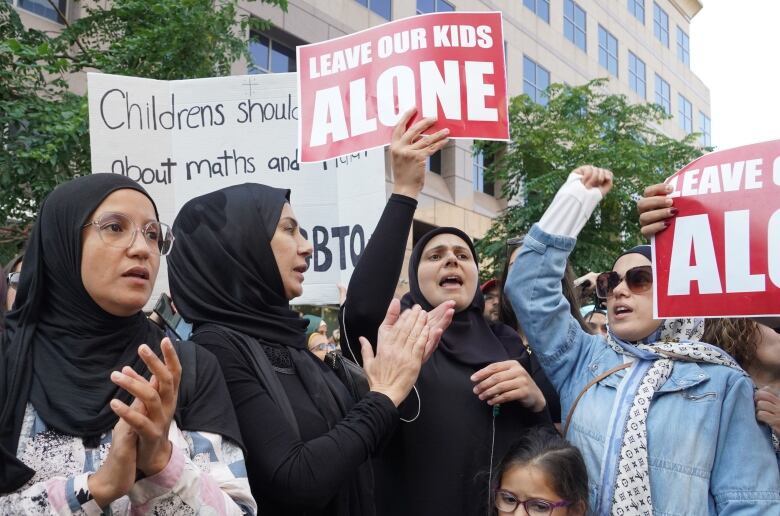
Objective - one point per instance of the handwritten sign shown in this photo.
(353, 89)
(720, 257)
(182, 139)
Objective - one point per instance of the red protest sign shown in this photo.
(352, 90)
(720, 257)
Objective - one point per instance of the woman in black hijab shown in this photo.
(75, 436)
(239, 259)
(452, 429)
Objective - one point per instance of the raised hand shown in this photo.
(410, 149)
(401, 342)
(506, 381)
(655, 208)
(594, 177)
(151, 419)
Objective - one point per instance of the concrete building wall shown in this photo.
(450, 197)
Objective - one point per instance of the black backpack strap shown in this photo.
(189, 371)
(262, 368)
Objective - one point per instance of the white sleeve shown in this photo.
(571, 208)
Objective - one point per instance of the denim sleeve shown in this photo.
(745, 478)
(534, 288)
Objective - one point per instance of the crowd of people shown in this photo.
(460, 398)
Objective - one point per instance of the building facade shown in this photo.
(642, 46)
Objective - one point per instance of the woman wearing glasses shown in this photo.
(8, 287)
(665, 423)
(96, 412)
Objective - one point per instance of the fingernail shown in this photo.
(667, 223)
(668, 188)
(446, 130)
(116, 375)
(114, 403)
(673, 211)
(669, 202)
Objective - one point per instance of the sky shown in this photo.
(735, 50)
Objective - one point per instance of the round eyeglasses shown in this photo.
(508, 502)
(117, 230)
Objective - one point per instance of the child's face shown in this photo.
(526, 483)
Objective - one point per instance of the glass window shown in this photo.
(636, 75)
(479, 165)
(608, 51)
(540, 7)
(44, 8)
(663, 95)
(661, 24)
(683, 46)
(574, 24)
(434, 6)
(382, 7)
(685, 112)
(536, 79)
(704, 129)
(270, 56)
(637, 8)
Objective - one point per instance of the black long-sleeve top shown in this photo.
(314, 475)
(439, 463)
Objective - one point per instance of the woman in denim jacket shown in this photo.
(699, 450)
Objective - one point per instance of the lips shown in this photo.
(622, 311)
(451, 280)
(301, 268)
(137, 272)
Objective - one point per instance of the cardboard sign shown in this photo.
(182, 139)
(720, 257)
(353, 89)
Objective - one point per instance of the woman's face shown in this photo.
(318, 344)
(767, 350)
(630, 315)
(120, 280)
(447, 271)
(290, 250)
(525, 482)
(10, 295)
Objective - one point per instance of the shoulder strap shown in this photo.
(263, 370)
(585, 389)
(185, 350)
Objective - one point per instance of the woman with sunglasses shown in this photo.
(9, 285)
(665, 423)
(96, 412)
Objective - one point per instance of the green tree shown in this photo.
(580, 125)
(44, 135)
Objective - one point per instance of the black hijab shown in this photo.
(222, 272)
(222, 269)
(469, 339)
(60, 346)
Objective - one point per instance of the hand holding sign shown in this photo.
(654, 208)
(410, 149)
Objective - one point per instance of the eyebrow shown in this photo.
(442, 247)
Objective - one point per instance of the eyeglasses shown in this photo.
(325, 346)
(117, 230)
(638, 279)
(13, 279)
(507, 502)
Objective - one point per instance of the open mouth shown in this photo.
(451, 281)
(301, 268)
(622, 310)
(137, 272)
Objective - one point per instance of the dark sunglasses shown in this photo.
(638, 279)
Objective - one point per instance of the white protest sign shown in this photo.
(182, 139)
